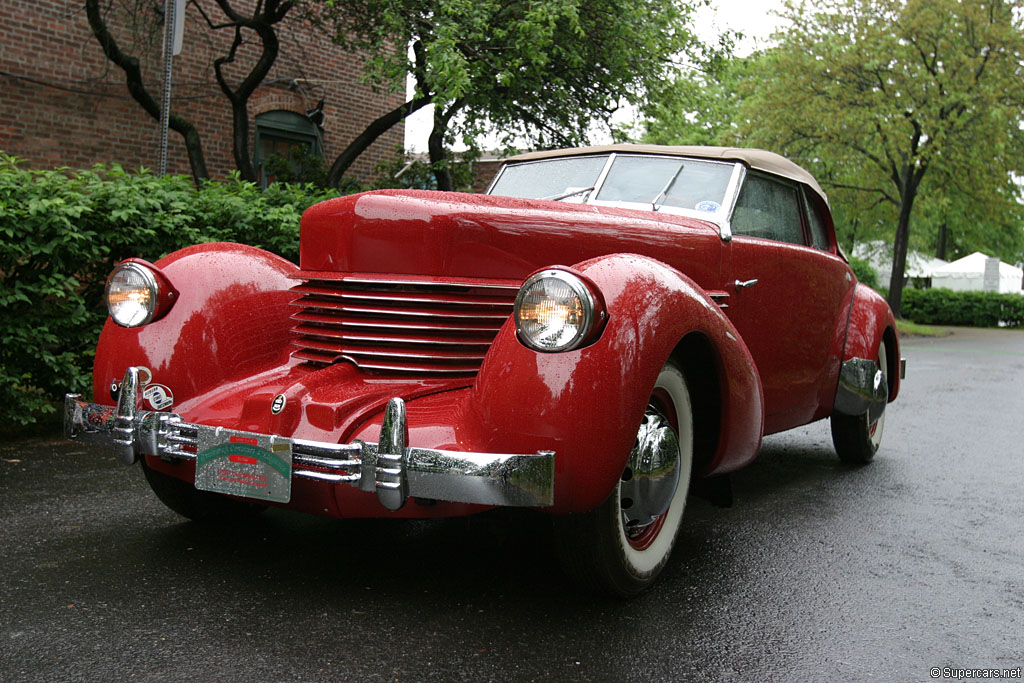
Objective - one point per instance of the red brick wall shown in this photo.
(62, 103)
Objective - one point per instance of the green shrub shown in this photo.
(864, 271)
(62, 231)
(972, 309)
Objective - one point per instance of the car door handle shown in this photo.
(743, 284)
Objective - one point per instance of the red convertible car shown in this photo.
(603, 330)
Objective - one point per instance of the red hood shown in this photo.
(476, 236)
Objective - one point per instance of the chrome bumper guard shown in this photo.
(391, 468)
(862, 389)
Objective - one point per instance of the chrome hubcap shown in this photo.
(651, 476)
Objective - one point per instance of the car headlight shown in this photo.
(556, 311)
(133, 294)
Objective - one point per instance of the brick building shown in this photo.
(63, 103)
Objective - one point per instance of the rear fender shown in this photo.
(872, 323)
(586, 404)
(230, 320)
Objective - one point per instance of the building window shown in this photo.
(283, 133)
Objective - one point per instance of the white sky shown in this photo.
(751, 17)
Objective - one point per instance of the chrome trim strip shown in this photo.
(862, 389)
(601, 177)
(475, 284)
(347, 337)
(377, 296)
(732, 194)
(494, 181)
(396, 353)
(392, 468)
(410, 313)
(399, 325)
(370, 365)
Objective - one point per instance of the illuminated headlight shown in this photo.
(132, 295)
(555, 311)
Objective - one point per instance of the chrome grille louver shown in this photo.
(407, 325)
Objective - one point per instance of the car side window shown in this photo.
(769, 209)
(816, 221)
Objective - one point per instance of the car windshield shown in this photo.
(550, 178)
(653, 181)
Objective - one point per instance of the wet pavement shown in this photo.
(818, 572)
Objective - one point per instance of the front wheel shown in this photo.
(620, 547)
(855, 437)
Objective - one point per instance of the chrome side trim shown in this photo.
(392, 468)
(719, 297)
(862, 389)
(732, 193)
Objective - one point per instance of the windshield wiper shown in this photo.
(570, 193)
(656, 202)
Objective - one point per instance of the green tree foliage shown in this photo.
(701, 104)
(878, 95)
(540, 70)
(61, 233)
(413, 172)
(954, 219)
(865, 272)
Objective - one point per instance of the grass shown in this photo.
(908, 328)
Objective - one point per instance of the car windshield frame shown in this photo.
(588, 194)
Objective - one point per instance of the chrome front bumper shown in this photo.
(391, 468)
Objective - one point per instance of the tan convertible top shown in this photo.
(754, 158)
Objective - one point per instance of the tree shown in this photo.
(137, 88)
(544, 71)
(541, 70)
(883, 93)
(259, 22)
(700, 105)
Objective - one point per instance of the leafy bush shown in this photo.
(61, 232)
(864, 271)
(973, 309)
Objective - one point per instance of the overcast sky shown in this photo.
(753, 18)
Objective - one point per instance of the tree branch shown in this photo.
(138, 91)
(378, 127)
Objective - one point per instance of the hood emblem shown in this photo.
(277, 405)
(158, 396)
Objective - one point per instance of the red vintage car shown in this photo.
(605, 329)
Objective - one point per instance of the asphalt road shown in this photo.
(819, 572)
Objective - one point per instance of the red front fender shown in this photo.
(586, 404)
(229, 321)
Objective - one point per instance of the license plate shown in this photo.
(244, 464)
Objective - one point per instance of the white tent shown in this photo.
(978, 272)
(879, 255)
